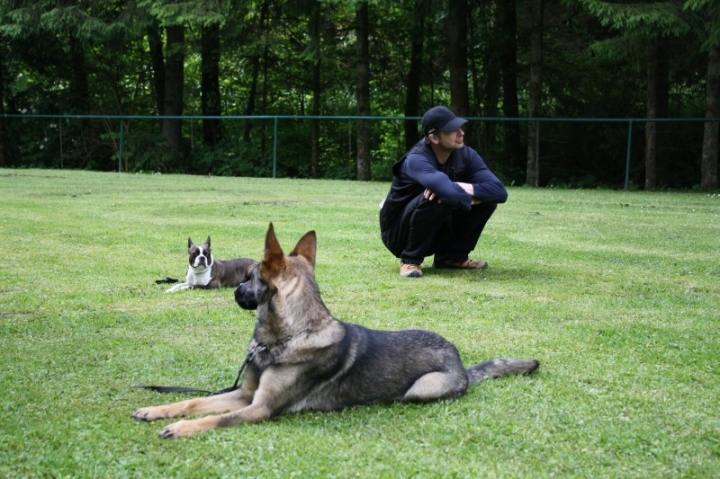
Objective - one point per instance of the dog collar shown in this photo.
(261, 348)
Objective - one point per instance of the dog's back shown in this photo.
(369, 366)
(230, 273)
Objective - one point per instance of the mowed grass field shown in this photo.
(616, 294)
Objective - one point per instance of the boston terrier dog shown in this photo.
(204, 271)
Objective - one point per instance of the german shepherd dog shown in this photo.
(302, 358)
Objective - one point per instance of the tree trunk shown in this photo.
(174, 81)
(210, 84)
(265, 64)
(651, 126)
(536, 63)
(709, 161)
(79, 86)
(458, 18)
(316, 59)
(362, 29)
(662, 167)
(79, 96)
(3, 160)
(491, 82)
(255, 73)
(252, 94)
(658, 93)
(508, 66)
(414, 78)
(158, 66)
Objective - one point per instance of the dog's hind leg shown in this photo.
(437, 385)
(212, 404)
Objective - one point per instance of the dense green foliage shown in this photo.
(617, 294)
(279, 57)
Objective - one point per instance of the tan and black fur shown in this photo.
(305, 359)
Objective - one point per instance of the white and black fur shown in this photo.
(204, 271)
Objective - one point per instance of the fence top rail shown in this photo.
(349, 117)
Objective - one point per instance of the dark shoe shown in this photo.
(409, 270)
(441, 263)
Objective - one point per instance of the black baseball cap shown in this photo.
(440, 118)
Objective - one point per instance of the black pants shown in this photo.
(428, 227)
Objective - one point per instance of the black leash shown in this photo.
(181, 389)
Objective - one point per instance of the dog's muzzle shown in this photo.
(245, 296)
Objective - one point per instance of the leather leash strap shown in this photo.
(181, 389)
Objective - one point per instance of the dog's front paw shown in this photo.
(179, 287)
(152, 413)
(178, 429)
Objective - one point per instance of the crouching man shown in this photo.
(441, 197)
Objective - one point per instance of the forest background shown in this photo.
(197, 86)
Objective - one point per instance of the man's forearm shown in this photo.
(470, 190)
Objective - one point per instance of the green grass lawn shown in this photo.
(616, 294)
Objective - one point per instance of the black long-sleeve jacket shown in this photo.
(419, 169)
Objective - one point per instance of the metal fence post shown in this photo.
(275, 142)
(62, 160)
(627, 156)
(122, 131)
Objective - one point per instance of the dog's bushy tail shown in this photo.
(498, 368)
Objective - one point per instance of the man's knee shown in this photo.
(482, 212)
(431, 211)
(487, 207)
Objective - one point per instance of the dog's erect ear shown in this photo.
(207, 242)
(306, 247)
(190, 243)
(274, 258)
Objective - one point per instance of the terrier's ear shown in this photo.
(207, 243)
(190, 243)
